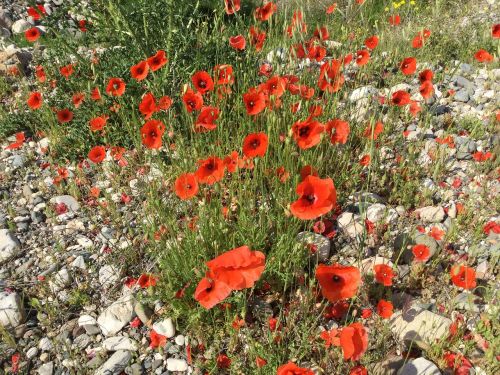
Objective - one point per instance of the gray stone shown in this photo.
(143, 312)
(389, 366)
(61, 280)
(46, 369)
(71, 204)
(89, 323)
(115, 343)
(115, 364)
(117, 315)
(12, 313)
(9, 245)
(419, 366)
(180, 340)
(79, 263)
(82, 341)
(461, 96)
(45, 345)
(466, 301)
(5, 20)
(350, 224)
(31, 353)
(320, 243)
(165, 327)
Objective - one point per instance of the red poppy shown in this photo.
(95, 94)
(436, 233)
(275, 86)
(97, 154)
(371, 42)
(463, 276)
(358, 370)
(260, 362)
(362, 57)
(151, 133)
(421, 253)
(491, 226)
(307, 133)
(232, 6)
(37, 13)
(331, 78)
(316, 197)
(331, 8)
(338, 282)
(307, 170)
(385, 309)
(140, 70)
(82, 25)
(394, 20)
(186, 186)
(156, 61)
(115, 87)
(232, 162)
(64, 115)
(202, 82)
(98, 123)
(264, 12)
(67, 70)
(255, 101)
(20, 138)
(339, 131)
(193, 101)
(223, 361)
(165, 103)
(384, 274)
(373, 131)
(401, 98)
(495, 31)
(238, 42)
(206, 119)
(255, 144)
(147, 106)
(292, 369)
(483, 56)
(156, 339)
(417, 42)
(210, 170)
(426, 89)
(354, 341)
(78, 99)
(365, 160)
(425, 75)
(35, 100)
(224, 74)
(40, 74)
(366, 313)
(32, 34)
(257, 38)
(415, 107)
(146, 280)
(408, 65)
(316, 53)
(210, 291)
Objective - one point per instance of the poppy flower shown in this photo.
(210, 170)
(358, 370)
(275, 86)
(421, 253)
(265, 12)
(115, 87)
(394, 20)
(151, 133)
(365, 160)
(95, 94)
(238, 42)
(140, 70)
(292, 369)
(316, 197)
(40, 74)
(425, 75)
(362, 57)
(495, 31)
(331, 78)
(224, 74)
(307, 170)
(186, 186)
(373, 131)
(255, 101)
(331, 8)
(354, 341)
(260, 362)
(97, 154)
(78, 99)
(307, 133)
(67, 70)
(64, 116)
(371, 42)
(257, 38)
(255, 144)
(98, 123)
(232, 6)
(463, 276)
(401, 98)
(156, 61)
(223, 361)
(206, 119)
(408, 66)
(415, 107)
(483, 56)
(338, 282)
(338, 130)
(232, 162)
(20, 138)
(156, 339)
(491, 226)
(164, 103)
(146, 280)
(417, 42)
(239, 268)
(37, 13)
(147, 106)
(385, 309)
(436, 233)
(32, 34)
(316, 53)
(202, 82)
(193, 101)
(426, 89)
(82, 26)
(384, 274)
(35, 100)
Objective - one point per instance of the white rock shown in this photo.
(165, 327)
(89, 323)
(376, 212)
(45, 345)
(115, 343)
(20, 26)
(174, 364)
(11, 311)
(350, 224)
(9, 245)
(180, 340)
(108, 275)
(31, 353)
(79, 262)
(71, 203)
(419, 366)
(431, 214)
(115, 364)
(362, 92)
(46, 369)
(117, 315)
(61, 280)
(321, 244)
(84, 241)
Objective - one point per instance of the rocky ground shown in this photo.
(67, 301)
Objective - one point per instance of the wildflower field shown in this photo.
(249, 187)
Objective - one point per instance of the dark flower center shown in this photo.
(310, 198)
(304, 131)
(255, 143)
(202, 84)
(336, 278)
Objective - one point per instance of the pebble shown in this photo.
(165, 327)
(419, 366)
(174, 364)
(12, 313)
(115, 364)
(9, 245)
(117, 315)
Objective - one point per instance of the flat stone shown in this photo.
(431, 214)
(419, 366)
(115, 364)
(61, 280)
(115, 343)
(376, 212)
(165, 327)
(71, 204)
(320, 243)
(46, 369)
(361, 93)
(350, 224)
(389, 366)
(89, 323)
(12, 313)
(9, 245)
(117, 315)
(20, 26)
(108, 275)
